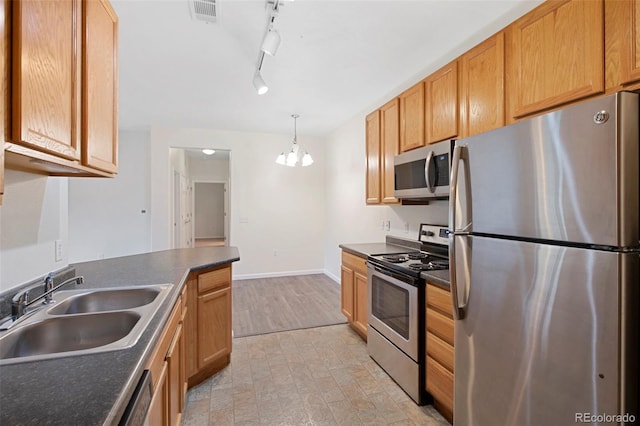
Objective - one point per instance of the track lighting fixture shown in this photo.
(293, 157)
(259, 83)
(271, 42)
(269, 45)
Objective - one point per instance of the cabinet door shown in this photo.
(373, 157)
(46, 76)
(191, 327)
(347, 291)
(214, 326)
(158, 414)
(441, 104)
(556, 55)
(412, 118)
(4, 84)
(622, 43)
(174, 377)
(482, 87)
(100, 87)
(390, 141)
(361, 312)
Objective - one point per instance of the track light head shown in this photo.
(259, 84)
(271, 42)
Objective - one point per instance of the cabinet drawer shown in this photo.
(440, 383)
(356, 263)
(440, 325)
(214, 280)
(440, 351)
(439, 299)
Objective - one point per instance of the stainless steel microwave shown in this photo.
(423, 173)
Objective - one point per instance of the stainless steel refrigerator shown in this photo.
(544, 221)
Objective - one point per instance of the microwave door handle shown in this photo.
(458, 311)
(427, 167)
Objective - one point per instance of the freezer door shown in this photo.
(571, 175)
(541, 339)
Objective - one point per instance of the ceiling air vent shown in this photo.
(205, 10)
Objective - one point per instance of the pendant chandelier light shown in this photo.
(293, 158)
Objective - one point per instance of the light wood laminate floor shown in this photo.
(268, 305)
(318, 376)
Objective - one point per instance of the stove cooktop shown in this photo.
(432, 255)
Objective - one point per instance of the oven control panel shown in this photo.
(435, 234)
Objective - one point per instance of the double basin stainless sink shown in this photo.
(83, 322)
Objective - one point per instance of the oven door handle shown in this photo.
(402, 278)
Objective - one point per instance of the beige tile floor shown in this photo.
(318, 376)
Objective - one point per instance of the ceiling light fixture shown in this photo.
(259, 84)
(269, 46)
(271, 42)
(207, 151)
(293, 157)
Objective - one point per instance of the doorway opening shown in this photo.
(200, 197)
(209, 213)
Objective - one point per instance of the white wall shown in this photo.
(208, 213)
(276, 212)
(209, 170)
(110, 217)
(348, 218)
(32, 217)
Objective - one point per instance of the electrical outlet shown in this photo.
(406, 227)
(275, 253)
(382, 224)
(387, 225)
(59, 250)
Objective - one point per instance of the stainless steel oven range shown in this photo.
(395, 287)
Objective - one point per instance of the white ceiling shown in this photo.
(337, 59)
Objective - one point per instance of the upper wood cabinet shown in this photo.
(622, 44)
(100, 83)
(482, 87)
(382, 142)
(64, 88)
(373, 157)
(441, 104)
(46, 76)
(412, 118)
(555, 55)
(390, 143)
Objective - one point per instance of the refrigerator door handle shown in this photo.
(458, 155)
(427, 167)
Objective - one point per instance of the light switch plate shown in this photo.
(59, 250)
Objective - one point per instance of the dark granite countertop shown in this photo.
(395, 245)
(392, 245)
(95, 389)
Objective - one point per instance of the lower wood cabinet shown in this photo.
(208, 323)
(195, 343)
(167, 371)
(439, 349)
(353, 282)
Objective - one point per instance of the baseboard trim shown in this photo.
(280, 274)
(333, 277)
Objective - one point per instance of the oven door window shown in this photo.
(390, 304)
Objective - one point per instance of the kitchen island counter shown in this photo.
(95, 389)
